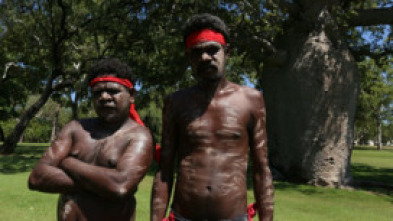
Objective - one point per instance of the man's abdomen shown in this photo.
(211, 187)
(83, 207)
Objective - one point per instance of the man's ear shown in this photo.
(132, 95)
(227, 49)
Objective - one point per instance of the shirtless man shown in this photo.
(96, 164)
(207, 130)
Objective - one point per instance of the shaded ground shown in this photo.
(375, 179)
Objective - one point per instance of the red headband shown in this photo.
(107, 78)
(133, 114)
(203, 35)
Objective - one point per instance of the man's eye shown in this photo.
(196, 52)
(96, 93)
(213, 50)
(112, 91)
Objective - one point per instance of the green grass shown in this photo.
(292, 202)
(370, 164)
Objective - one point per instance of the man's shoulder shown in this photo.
(74, 125)
(182, 94)
(85, 123)
(246, 90)
(137, 128)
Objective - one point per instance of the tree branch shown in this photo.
(62, 85)
(4, 27)
(291, 8)
(360, 52)
(266, 45)
(369, 17)
(7, 66)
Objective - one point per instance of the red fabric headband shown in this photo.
(106, 78)
(133, 114)
(204, 35)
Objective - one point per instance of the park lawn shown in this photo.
(292, 202)
(370, 164)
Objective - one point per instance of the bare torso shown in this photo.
(212, 146)
(101, 148)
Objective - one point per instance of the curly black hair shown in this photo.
(202, 21)
(113, 67)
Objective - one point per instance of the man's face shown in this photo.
(208, 60)
(111, 101)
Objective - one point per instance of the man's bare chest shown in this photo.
(102, 152)
(223, 122)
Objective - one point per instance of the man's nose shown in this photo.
(206, 56)
(105, 95)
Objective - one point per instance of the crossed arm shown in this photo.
(61, 173)
(46, 175)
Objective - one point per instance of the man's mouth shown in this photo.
(107, 107)
(206, 68)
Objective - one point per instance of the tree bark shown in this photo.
(310, 103)
(12, 139)
(55, 122)
(379, 135)
(74, 106)
(1, 134)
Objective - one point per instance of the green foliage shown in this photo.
(69, 35)
(38, 131)
(375, 98)
(8, 125)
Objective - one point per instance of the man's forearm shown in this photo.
(264, 194)
(160, 199)
(105, 182)
(51, 179)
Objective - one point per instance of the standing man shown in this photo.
(207, 130)
(96, 164)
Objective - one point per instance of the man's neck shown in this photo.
(212, 87)
(112, 126)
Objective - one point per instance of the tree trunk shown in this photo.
(11, 140)
(310, 103)
(379, 135)
(74, 104)
(1, 134)
(55, 122)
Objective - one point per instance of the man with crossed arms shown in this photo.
(96, 164)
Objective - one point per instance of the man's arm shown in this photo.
(262, 178)
(119, 182)
(46, 175)
(163, 181)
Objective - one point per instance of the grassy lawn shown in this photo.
(292, 202)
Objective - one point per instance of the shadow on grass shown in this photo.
(379, 180)
(373, 179)
(366, 172)
(25, 158)
(385, 148)
(22, 160)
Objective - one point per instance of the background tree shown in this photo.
(49, 37)
(301, 53)
(375, 100)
